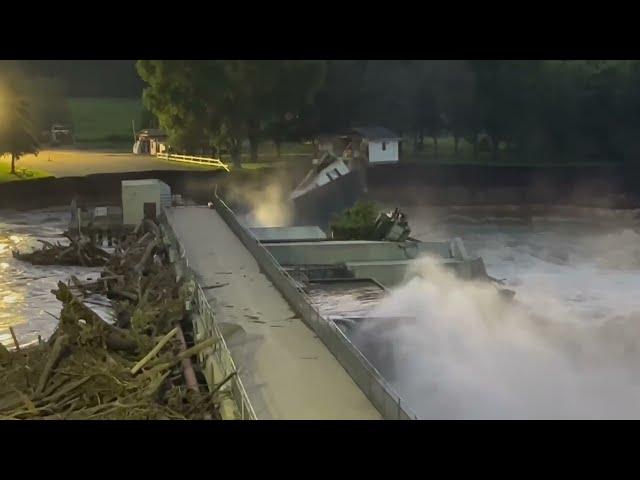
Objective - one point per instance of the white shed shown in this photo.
(140, 197)
(382, 144)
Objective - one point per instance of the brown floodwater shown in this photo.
(26, 301)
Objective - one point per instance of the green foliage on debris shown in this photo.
(362, 222)
(356, 223)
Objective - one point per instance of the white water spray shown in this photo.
(470, 355)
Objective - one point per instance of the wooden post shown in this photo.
(15, 339)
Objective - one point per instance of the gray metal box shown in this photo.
(135, 193)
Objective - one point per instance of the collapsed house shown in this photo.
(339, 177)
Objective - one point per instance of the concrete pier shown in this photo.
(287, 371)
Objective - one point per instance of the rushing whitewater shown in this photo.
(567, 348)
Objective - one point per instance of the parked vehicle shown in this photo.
(61, 135)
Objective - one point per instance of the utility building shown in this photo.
(143, 198)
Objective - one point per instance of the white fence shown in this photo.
(221, 355)
(213, 162)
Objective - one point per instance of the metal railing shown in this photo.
(373, 385)
(213, 162)
(205, 326)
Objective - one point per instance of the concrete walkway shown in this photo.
(287, 371)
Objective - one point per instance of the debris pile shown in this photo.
(137, 368)
(392, 226)
(81, 252)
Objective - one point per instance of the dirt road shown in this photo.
(71, 163)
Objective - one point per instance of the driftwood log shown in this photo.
(80, 252)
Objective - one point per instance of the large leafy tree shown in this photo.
(227, 100)
(339, 100)
(537, 109)
(457, 104)
(17, 136)
(429, 96)
(506, 94)
(175, 95)
(298, 83)
(390, 94)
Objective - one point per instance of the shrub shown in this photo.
(356, 223)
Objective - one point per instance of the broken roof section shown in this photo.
(328, 169)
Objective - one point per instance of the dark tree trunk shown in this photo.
(254, 141)
(456, 140)
(475, 147)
(13, 164)
(253, 145)
(420, 147)
(235, 149)
(495, 144)
(278, 143)
(236, 158)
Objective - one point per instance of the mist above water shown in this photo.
(268, 205)
(567, 348)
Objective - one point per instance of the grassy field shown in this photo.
(105, 121)
(290, 152)
(22, 173)
(446, 156)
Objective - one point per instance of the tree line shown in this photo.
(530, 109)
(224, 102)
